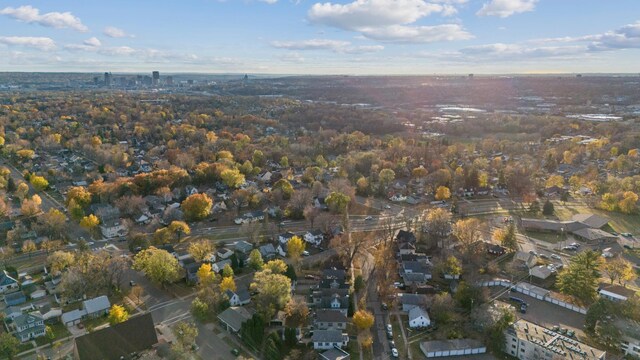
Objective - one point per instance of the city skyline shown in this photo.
(347, 37)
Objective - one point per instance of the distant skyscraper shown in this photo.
(156, 77)
(107, 79)
(170, 80)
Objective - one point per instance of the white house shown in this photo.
(284, 238)
(7, 282)
(224, 253)
(328, 339)
(398, 198)
(238, 298)
(29, 326)
(418, 318)
(314, 237)
(218, 266)
(282, 249)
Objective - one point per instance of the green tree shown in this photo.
(232, 178)
(274, 292)
(338, 202)
(227, 271)
(386, 176)
(200, 250)
(285, 186)
(186, 334)
(580, 278)
(284, 161)
(8, 345)
(197, 206)
(39, 182)
(158, 265)
(255, 260)
(452, 266)
(507, 237)
(548, 208)
(117, 314)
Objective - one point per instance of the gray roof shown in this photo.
(326, 315)
(6, 279)
(331, 336)
(551, 225)
(593, 234)
(24, 319)
(413, 299)
(101, 303)
(235, 316)
(243, 246)
(72, 316)
(335, 354)
(267, 249)
(416, 312)
(14, 296)
(591, 220)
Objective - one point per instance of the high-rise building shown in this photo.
(107, 79)
(170, 80)
(156, 77)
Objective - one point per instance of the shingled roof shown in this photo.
(112, 343)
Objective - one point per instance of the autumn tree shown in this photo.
(90, 222)
(295, 248)
(227, 283)
(507, 237)
(28, 246)
(59, 261)
(31, 207)
(117, 314)
(285, 186)
(158, 265)
(619, 269)
(186, 334)
(227, 271)
(255, 260)
(232, 178)
(363, 320)
(442, 193)
(39, 182)
(274, 291)
(200, 250)
(197, 206)
(78, 194)
(348, 246)
(297, 313)
(467, 231)
(554, 180)
(337, 202)
(276, 266)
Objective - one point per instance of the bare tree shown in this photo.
(348, 245)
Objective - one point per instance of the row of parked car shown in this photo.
(392, 344)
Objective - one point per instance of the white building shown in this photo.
(630, 342)
(328, 339)
(418, 318)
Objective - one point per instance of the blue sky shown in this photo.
(321, 37)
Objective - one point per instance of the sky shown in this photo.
(321, 37)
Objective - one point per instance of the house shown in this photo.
(406, 248)
(328, 339)
(333, 278)
(630, 339)
(332, 299)
(265, 176)
(190, 190)
(540, 271)
(335, 354)
(218, 266)
(238, 298)
(615, 292)
(15, 298)
(232, 318)
(38, 294)
(495, 249)
(117, 341)
(243, 247)
(267, 251)
(415, 279)
(418, 318)
(224, 253)
(314, 237)
(284, 238)
(29, 326)
(110, 223)
(398, 198)
(409, 301)
(191, 268)
(50, 314)
(12, 312)
(7, 282)
(282, 249)
(405, 236)
(327, 319)
(90, 309)
(319, 203)
(592, 236)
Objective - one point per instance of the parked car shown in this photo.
(389, 328)
(394, 353)
(305, 253)
(627, 234)
(387, 207)
(544, 256)
(368, 218)
(556, 256)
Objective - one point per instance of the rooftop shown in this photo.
(454, 344)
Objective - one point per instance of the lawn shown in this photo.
(353, 349)
(60, 332)
(546, 237)
(91, 324)
(397, 334)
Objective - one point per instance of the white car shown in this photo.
(368, 218)
(89, 243)
(387, 207)
(305, 253)
(389, 328)
(394, 352)
(556, 256)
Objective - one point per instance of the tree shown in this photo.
(179, 228)
(90, 222)
(629, 202)
(467, 231)
(49, 334)
(442, 308)
(274, 292)
(363, 320)
(22, 191)
(227, 283)
(619, 269)
(53, 222)
(28, 247)
(255, 260)
(580, 278)
(276, 266)
(200, 309)
(158, 265)
(452, 266)
(284, 161)
(386, 176)
(438, 223)
(197, 206)
(295, 248)
(227, 271)
(548, 208)
(232, 178)
(442, 193)
(60, 260)
(200, 250)
(337, 202)
(507, 237)
(310, 213)
(80, 195)
(8, 345)
(117, 314)
(285, 186)
(419, 172)
(31, 207)
(186, 334)
(555, 180)
(534, 207)
(297, 313)
(137, 292)
(205, 275)
(348, 246)
(252, 331)
(39, 182)
(468, 297)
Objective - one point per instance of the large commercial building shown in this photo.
(528, 341)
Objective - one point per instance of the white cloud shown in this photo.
(390, 20)
(270, 2)
(115, 32)
(57, 20)
(94, 41)
(40, 43)
(337, 46)
(417, 34)
(506, 8)
(293, 57)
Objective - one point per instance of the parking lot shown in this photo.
(547, 314)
